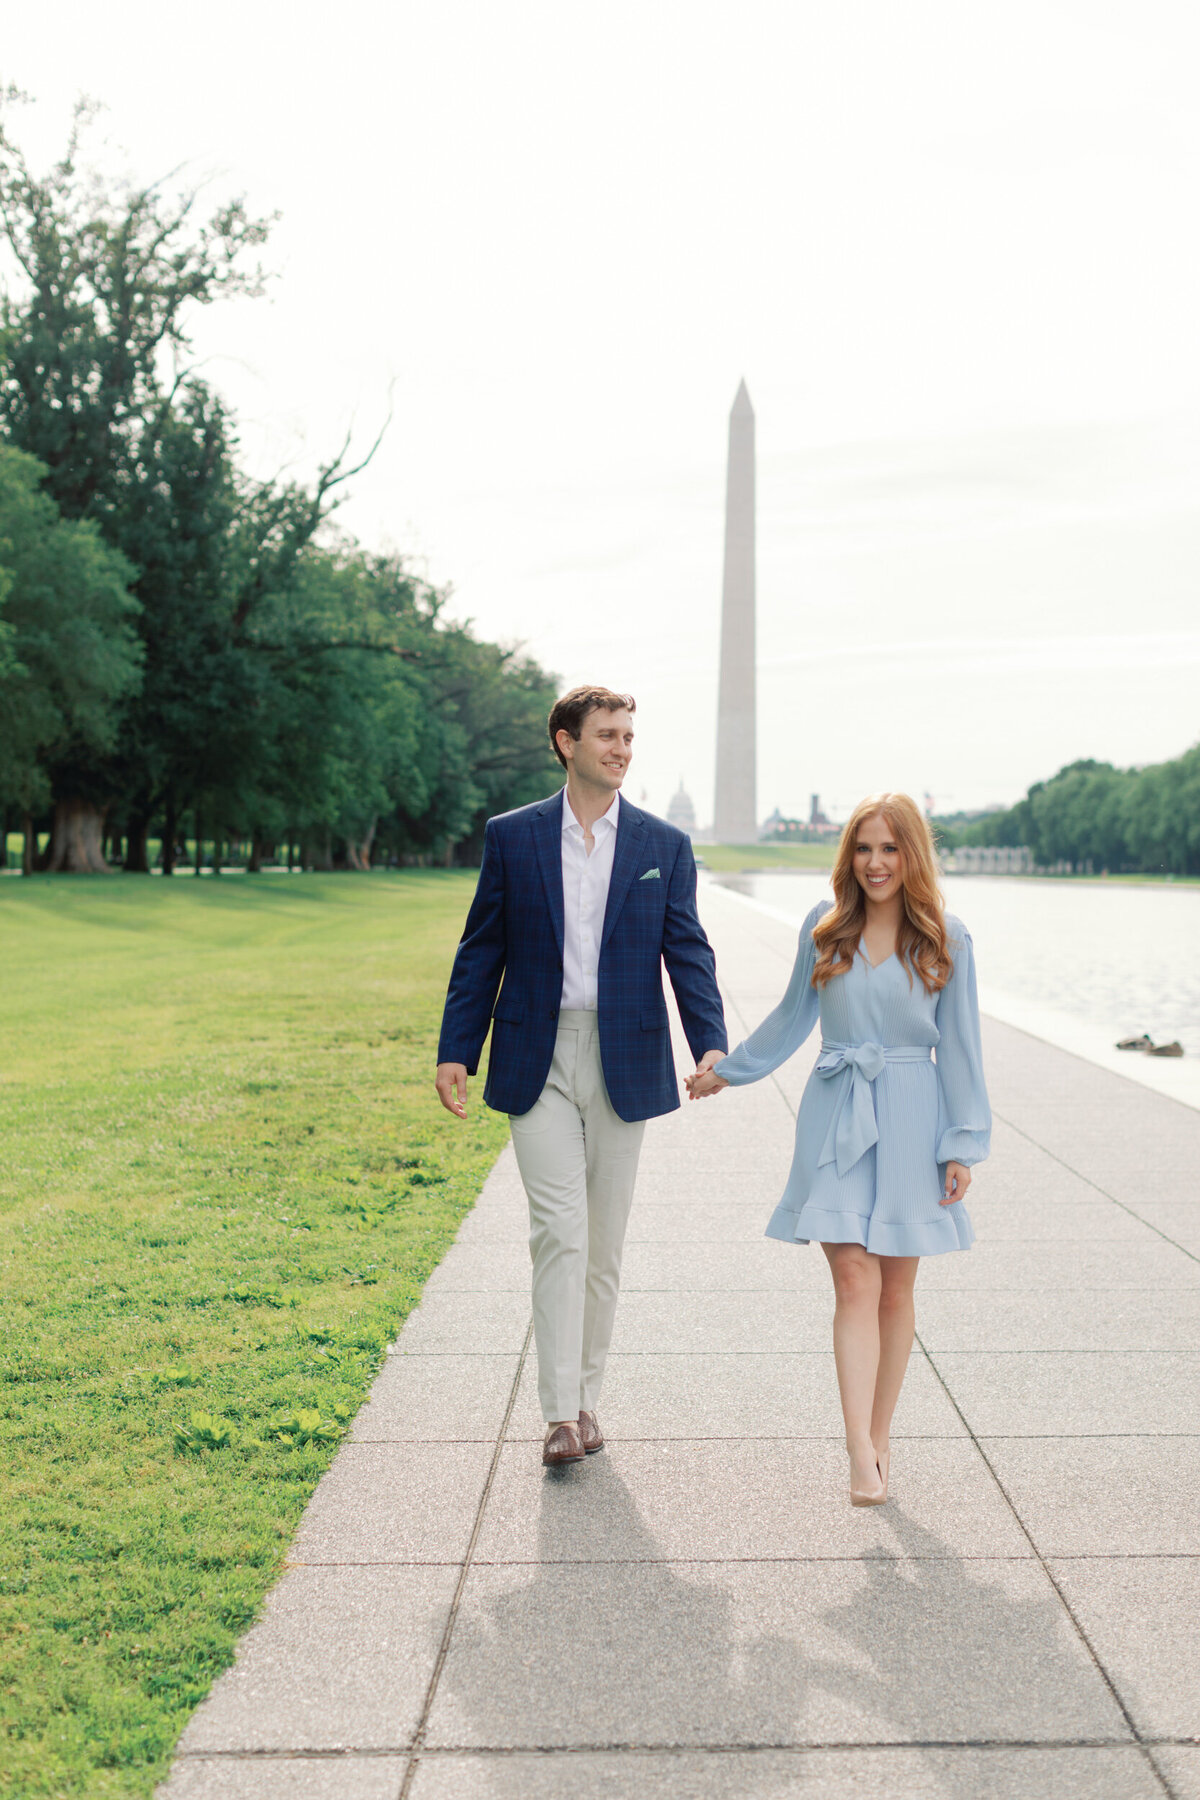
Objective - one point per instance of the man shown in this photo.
(581, 900)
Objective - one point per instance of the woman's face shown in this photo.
(878, 862)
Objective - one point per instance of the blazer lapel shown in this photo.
(631, 836)
(547, 837)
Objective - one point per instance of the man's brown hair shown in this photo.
(569, 713)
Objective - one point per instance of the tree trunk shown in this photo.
(318, 853)
(170, 833)
(256, 855)
(137, 860)
(29, 848)
(76, 838)
(199, 828)
(358, 850)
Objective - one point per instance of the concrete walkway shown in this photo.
(698, 1612)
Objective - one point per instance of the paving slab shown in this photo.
(864, 1650)
(1024, 1219)
(1145, 1262)
(348, 1777)
(1018, 1170)
(1111, 1131)
(894, 1773)
(761, 1108)
(664, 1397)
(1114, 1496)
(1165, 1319)
(716, 1222)
(754, 1265)
(461, 1325)
(729, 1165)
(1015, 1149)
(341, 1660)
(394, 1503)
(683, 1190)
(1140, 1616)
(744, 1499)
(493, 1268)
(1180, 1764)
(654, 1320)
(503, 1179)
(437, 1399)
(1064, 1394)
(1178, 1220)
(498, 1225)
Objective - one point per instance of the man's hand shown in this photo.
(704, 1082)
(452, 1088)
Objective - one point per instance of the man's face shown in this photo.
(604, 749)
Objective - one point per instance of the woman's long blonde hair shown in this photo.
(921, 943)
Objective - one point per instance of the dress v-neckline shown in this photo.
(873, 966)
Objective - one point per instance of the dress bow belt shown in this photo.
(854, 1127)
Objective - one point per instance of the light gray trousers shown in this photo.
(578, 1161)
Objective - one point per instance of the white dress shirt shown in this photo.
(585, 897)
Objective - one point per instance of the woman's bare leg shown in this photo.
(896, 1324)
(857, 1285)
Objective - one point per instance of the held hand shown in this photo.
(704, 1082)
(451, 1086)
(958, 1180)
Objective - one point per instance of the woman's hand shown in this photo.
(704, 1082)
(958, 1180)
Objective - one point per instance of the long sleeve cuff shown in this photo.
(964, 1144)
(739, 1067)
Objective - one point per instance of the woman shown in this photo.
(885, 1137)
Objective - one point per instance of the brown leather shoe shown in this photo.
(590, 1433)
(562, 1445)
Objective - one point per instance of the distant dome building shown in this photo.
(681, 812)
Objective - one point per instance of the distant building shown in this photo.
(681, 812)
(815, 829)
(777, 826)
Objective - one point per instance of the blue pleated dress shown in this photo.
(897, 1092)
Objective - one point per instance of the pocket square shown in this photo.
(651, 875)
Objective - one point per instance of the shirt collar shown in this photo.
(607, 819)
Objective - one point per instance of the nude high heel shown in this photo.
(882, 1463)
(868, 1496)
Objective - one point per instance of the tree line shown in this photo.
(186, 651)
(1092, 814)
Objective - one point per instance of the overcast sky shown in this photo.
(951, 247)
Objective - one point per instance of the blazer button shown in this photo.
(554, 1012)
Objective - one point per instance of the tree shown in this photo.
(339, 706)
(111, 274)
(70, 652)
(497, 700)
(1093, 813)
(107, 276)
(289, 681)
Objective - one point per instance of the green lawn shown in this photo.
(729, 859)
(225, 1178)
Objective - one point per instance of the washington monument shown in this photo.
(735, 815)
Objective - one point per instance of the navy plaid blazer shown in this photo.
(514, 930)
